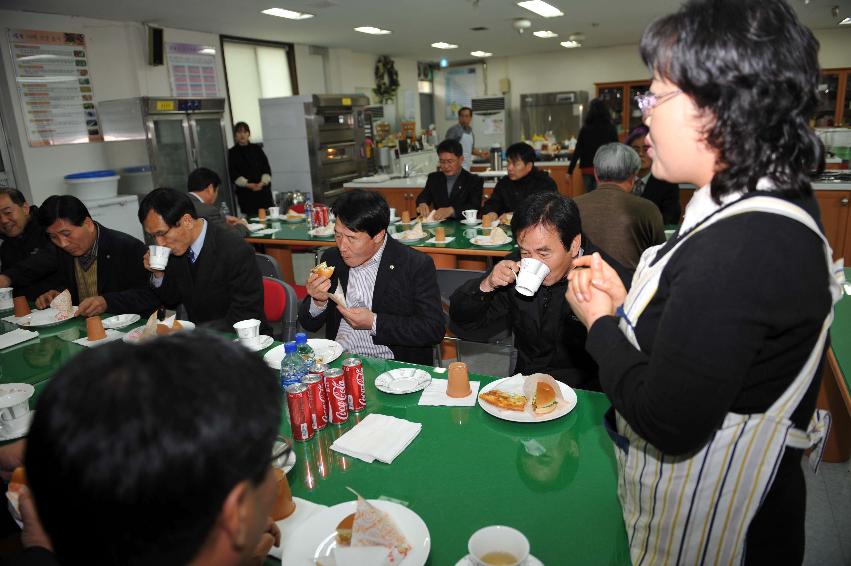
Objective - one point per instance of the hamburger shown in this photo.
(344, 530)
(544, 400)
(324, 270)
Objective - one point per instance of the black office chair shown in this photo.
(268, 266)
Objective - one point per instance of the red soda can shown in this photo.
(298, 402)
(355, 389)
(318, 405)
(335, 391)
(325, 215)
(317, 369)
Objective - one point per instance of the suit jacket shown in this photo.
(213, 215)
(466, 192)
(222, 288)
(666, 196)
(406, 301)
(508, 195)
(30, 277)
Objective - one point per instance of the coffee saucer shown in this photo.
(262, 343)
(530, 561)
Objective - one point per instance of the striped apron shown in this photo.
(696, 509)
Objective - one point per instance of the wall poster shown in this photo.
(54, 86)
(192, 69)
(461, 87)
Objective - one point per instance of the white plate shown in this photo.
(265, 342)
(432, 223)
(397, 236)
(326, 351)
(530, 561)
(316, 538)
(313, 232)
(5, 435)
(121, 320)
(291, 219)
(473, 223)
(402, 380)
(522, 416)
(135, 334)
(41, 318)
(486, 241)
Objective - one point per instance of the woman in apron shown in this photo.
(250, 172)
(711, 360)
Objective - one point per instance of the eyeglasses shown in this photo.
(648, 101)
(162, 234)
(447, 161)
(281, 451)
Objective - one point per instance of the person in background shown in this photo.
(138, 482)
(451, 190)
(23, 238)
(250, 172)
(393, 301)
(711, 361)
(211, 271)
(597, 130)
(203, 185)
(617, 221)
(101, 267)
(463, 134)
(665, 195)
(522, 181)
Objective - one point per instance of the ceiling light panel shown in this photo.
(444, 45)
(288, 14)
(545, 34)
(480, 54)
(372, 30)
(541, 8)
(571, 44)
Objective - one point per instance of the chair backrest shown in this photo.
(280, 305)
(268, 266)
(450, 279)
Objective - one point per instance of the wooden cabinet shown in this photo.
(400, 199)
(559, 175)
(620, 96)
(834, 217)
(835, 106)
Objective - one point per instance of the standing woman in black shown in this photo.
(250, 172)
(598, 130)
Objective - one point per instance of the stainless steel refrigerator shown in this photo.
(159, 141)
(558, 112)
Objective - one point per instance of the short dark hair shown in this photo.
(522, 151)
(754, 67)
(168, 203)
(14, 195)
(201, 178)
(450, 146)
(110, 453)
(638, 133)
(467, 108)
(68, 207)
(241, 126)
(550, 210)
(363, 211)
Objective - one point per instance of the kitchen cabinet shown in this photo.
(834, 217)
(400, 199)
(558, 173)
(620, 96)
(835, 106)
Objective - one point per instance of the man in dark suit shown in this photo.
(203, 185)
(452, 190)
(102, 268)
(211, 271)
(665, 195)
(393, 307)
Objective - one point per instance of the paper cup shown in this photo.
(532, 274)
(459, 380)
(470, 215)
(439, 234)
(158, 257)
(22, 307)
(406, 217)
(6, 301)
(498, 540)
(261, 214)
(274, 212)
(15, 406)
(94, 329)
(284, 504)
(392, 214)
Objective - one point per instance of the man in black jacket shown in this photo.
(548, 336)
(452, 190)
(102, 268)
(393, 307)
(211, 271)
(23, 237)
(523, 180)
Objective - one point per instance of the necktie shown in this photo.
(191, 255)
(638, 187)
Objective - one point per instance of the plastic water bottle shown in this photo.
(224, 209)
(292, 366)
(308, 211)
(304, 350)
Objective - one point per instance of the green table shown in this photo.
(840, 339)
(457, 254)
(836, 382)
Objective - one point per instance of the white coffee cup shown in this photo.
(470, 215)
(498, 538)
(392, 214)
(159, 257)
(6, 301)
(15, 406)
(532, 274)
(248, 331)
(274, 212)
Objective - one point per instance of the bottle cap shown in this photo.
(301, 338)
(289, 348)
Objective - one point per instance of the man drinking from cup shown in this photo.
(548, 337)
(453, 189)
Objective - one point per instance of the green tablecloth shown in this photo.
(840, 334)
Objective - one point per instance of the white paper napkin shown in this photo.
(304, 509)
(264, 232)
(254, 227)
(377, 437)
(435, 395)
(446, 240)
(16, 337)
(111, 335)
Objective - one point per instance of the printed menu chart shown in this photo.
(54, 86)
(193, 71)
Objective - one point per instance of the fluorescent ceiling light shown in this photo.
(480, 54)
(545, 34)
(444, 45)
(845, 22)
(571, 44)
(207, 51)
(289, 14)
(373, 31)
(541, 8)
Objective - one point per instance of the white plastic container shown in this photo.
(89, 185)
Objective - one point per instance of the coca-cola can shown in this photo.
(355, 389)
(320, 215)
(335, 391)
(317, 368)
(318, 404)
(298, 402)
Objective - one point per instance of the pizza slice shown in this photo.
(503, 400)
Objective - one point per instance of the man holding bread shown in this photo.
(386, 294)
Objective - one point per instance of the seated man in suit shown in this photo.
(143, 480)
(615, 219)
(203, 185)
(548, 336)
(211, 271)
(453, 189)
(523, 180)
(394, 308)
(102, 268)
(665, 195)
(23, 237)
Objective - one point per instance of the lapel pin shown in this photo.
(392, 266)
